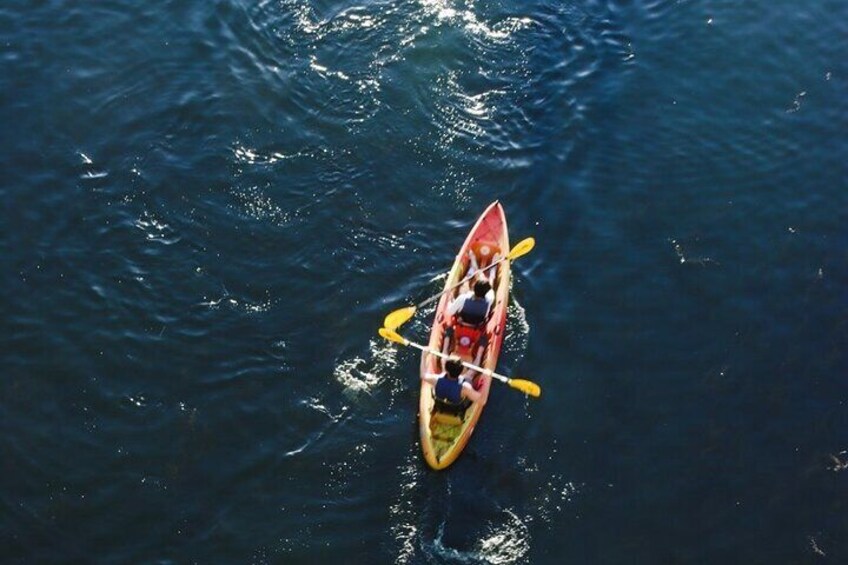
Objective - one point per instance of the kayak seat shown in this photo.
(445, 408)
(466, 340)
(446, 419)
(485, 251)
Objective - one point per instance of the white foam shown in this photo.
(506, 543)
(353, 377)
(502, 544)
(359, 375)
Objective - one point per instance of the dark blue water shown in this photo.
(208, 207)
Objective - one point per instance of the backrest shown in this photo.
(484, 251)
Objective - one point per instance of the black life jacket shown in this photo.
(449, 390)
(474, 311)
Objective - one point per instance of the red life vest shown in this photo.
(466, 338)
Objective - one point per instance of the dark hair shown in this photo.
(454, 367)
(481, 288)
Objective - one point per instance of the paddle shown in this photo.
(527, 387)
(397, 318)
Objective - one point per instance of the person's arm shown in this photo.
(430, 378)
(482, 344)
(456, 304)
(468, 375)
(469, 392)
(490, 299)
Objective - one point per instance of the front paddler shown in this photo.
(451, 386)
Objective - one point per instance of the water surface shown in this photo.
(208, 207)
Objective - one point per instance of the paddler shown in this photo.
(471, 309)
(473, 306)
(451, 386)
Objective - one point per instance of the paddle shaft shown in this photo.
(465, 364)
(460, 283)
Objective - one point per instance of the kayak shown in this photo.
(445, 430)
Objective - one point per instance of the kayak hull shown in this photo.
(445, 435)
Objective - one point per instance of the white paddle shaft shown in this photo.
(465, 364)
(460, 283)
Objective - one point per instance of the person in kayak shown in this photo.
(472, 307)
(466, 335)
(474, 304)
(451, 386)
(476, 273)
(469, 312)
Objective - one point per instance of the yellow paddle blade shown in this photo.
(392, 335)
(399, 317)
(523, 247)
(527, 387)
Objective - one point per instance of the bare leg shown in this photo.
(491, 272)
(446, 341)
(475, 270)
(479, 357)
(471, 274)
(473, 376)
(472, 263)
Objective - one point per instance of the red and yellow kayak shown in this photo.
(444, 434)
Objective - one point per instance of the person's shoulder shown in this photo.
(470, 392)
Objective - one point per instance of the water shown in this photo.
(208, 207)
